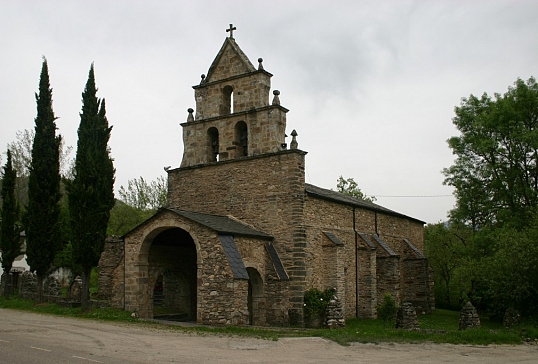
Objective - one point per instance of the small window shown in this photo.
(227, 100)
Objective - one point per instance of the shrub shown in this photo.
(387, 310)
(316, 301)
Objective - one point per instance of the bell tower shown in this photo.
(233, 117)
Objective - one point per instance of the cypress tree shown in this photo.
(10, 242)
(41, 221)
(91, 194)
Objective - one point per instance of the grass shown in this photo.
(107, 314)
(439, 327)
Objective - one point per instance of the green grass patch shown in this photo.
(108, 314)
(439, 327)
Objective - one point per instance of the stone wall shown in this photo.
(266, 128)
(388, 277)
(220, 298)
(367, 283)
(266, 192)
(417, 286)
(110, 260)
(379, 273)
(28, 287)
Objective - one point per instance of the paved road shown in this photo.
(32, 338)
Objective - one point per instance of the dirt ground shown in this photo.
(22, 332)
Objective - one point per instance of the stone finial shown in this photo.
(469, 317)
(202, 76)
(191, 116)
(276, 99)
(260, 65)
(294, 144)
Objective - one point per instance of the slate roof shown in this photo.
(277, 263)
(417, 252)
(383, 245)
(352, 201)
(367, 240)
(234, 257)
(333, 238)
(222, 224)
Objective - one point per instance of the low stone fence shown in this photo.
(52, 289)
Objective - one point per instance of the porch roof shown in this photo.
(223, 225)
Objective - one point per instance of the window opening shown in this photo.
(227, 100)
(213, 144)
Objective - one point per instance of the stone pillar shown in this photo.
(407, 317)
(335, 314)
(469, 317)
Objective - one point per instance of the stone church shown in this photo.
(243, 236)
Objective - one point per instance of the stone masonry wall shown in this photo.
(393, 229)
(266, 128)
(322, 215)
(221, 299)
(417, 286)
(367, 284)
(266, 192)
(388, 277)
(110, 260)
(250, 91)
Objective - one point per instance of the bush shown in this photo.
(316, 301)
(387, 310)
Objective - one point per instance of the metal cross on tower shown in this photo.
(231, 30)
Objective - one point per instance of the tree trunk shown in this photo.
(40, 279)
(85, 290)
(7, 285)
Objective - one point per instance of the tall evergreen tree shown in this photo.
(41, 220)
(10, 241)
(91, 194)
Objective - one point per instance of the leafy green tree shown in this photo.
(145, 196)
(508, 278)
(10, 241)
(91, 194)
(447, 247)
(43, 237)
(495, 174)
(21, 150)
(124, 218)
(350, 187)
(21, 153)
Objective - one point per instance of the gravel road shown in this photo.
(32, 338)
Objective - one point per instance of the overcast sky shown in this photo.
(371, 85)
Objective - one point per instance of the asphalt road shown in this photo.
(32, 338)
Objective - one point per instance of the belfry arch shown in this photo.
(213, 144)
(241, 139)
